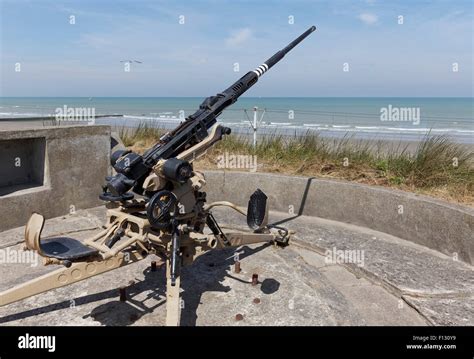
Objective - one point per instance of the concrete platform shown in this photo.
(393, 282)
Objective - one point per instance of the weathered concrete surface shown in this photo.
(76, 160)
(298, 285)
(435, 309)
(440, 287)
(442, 226)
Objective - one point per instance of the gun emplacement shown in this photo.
(169, 217)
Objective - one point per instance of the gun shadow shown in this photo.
(206, 274)
(122, 313)
(301, 207)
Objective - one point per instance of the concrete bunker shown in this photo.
(23, 164)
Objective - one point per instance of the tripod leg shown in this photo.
(65, 276)
(173, 310)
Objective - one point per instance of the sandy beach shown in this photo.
(380, 144)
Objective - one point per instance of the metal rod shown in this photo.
(255, 111)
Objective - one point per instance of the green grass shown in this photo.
(436, 162)
(437, 166)
(144, 133)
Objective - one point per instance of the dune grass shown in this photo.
(438, 167)
(144, 135)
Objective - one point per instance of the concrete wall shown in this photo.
(445, 227)
(73, 161)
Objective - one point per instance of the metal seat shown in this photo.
(65, 248)
(62, 248)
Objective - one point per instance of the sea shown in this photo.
(374, 117)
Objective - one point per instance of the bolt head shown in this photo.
(254, 279)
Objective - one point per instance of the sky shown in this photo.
(193, 48)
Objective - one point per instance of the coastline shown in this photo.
(330, 117)
(379, 142)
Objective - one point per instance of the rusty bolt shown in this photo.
(237, 267)
(254, 279)
(153, 266)
(239, 317)
(256, 300)
(123, 294)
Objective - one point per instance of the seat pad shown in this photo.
(65, 248)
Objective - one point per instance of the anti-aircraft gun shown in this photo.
(156, 205)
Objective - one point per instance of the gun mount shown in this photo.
(169, 216)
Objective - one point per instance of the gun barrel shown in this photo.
(280, 54)
(299, 39)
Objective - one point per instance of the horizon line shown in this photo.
(253, 97)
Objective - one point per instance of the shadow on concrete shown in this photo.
(302, 204)
(58, 306)
(207, 274)
(204, 275)
(117, 313)
(111, 313)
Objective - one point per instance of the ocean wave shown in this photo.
(376, 129)
(281, 123)
(152, 118)
(272, 126)
(23, 114)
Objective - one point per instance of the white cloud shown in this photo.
(238, 37)
(368, 18)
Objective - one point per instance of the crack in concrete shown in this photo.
(451, 295)
(416, 309)
(376, 283)
(375, 279)
(382, 283)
